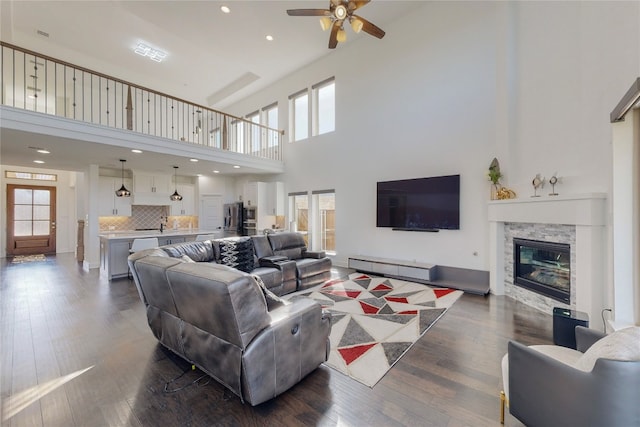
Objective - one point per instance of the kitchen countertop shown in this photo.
(132, 234)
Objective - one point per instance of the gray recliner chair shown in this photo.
(313, 267)
(596, 385)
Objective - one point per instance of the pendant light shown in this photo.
(175, 197)
(123, 192)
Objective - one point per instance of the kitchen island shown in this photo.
(115, 246)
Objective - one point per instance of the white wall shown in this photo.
(66, 218)
(450, 87)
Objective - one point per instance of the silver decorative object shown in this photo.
(538, 182)
(553, 181)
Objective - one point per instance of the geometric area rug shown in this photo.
(375, 320)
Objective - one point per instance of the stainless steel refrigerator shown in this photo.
(233, 219)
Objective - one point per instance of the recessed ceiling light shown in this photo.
(225, 9)
(216, 171)
(40, 150)
(269, 37)
(136, 151)
(153, 54)
(236, 167)
(38, 161)
(193, 160)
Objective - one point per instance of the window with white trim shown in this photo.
(299, 115)
(324, 111)
(323, 230)
(270, 120)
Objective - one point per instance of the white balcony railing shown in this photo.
(43, 84)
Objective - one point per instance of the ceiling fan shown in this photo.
(340, 11)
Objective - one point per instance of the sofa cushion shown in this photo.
(308, 267)
(197, 251)
(272, 300)
(620, 345)
(237, 252)
(186, 258)
(261, 247)
(290, 245)
(272, 277)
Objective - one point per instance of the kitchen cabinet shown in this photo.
(151, 183)
(151, 189)
(108, 203)
(275, 198)
(186, 206)
(162, 241)
(114, 247)
(113, 257)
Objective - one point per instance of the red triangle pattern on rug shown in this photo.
(332, 282)
(364, 276)
(348, 294)
(352, 353)
(382, 287)
(439, 293)
(397, 299)
(368, 308)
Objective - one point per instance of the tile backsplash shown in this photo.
(143, 216)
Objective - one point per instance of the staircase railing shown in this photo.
(37, 82)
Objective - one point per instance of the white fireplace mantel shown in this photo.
(587, 212)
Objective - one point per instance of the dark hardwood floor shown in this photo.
(76, 351)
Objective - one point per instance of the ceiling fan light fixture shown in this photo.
(356, 24)
(340, 12)
(175, 197)
(342, 35)
(122, 191)
(325, 23)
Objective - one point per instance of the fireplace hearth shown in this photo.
(543, 267)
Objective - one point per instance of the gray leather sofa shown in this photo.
(217, 318)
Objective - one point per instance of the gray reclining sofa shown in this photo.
(217, 318)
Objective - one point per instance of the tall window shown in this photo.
(255, 132)
(299, 120)
(270, 119)
(324, 220)
(315, 117)
(324, 117)
(299, 214)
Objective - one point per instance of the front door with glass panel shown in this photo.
(31, 220)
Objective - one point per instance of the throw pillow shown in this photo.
(620, 345)
(237, 253)
(186, 258)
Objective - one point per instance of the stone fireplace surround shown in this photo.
(578, 220)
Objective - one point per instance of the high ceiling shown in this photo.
(213, 59)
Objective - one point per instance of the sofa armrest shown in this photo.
(313, 254)
(586, 337)
(293, 345)
(272, 261)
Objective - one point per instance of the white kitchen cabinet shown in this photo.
(151, 189)
(275, 198)
(186, 206)
(151, 183)
(108, 203)
(250, 194)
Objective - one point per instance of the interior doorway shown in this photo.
(210, 213)
(31, 220)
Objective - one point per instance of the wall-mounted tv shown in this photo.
(421, 204)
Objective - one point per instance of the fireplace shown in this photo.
(543, 267)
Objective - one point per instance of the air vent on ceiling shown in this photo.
(42, 33)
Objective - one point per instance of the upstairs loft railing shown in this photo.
(39, 83)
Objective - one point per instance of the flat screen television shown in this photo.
(421, 204)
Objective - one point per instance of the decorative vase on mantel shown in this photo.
(494, 191)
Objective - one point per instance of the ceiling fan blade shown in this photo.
(308, 12)
(370, 28)
(357, 4)
(333, 38)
